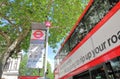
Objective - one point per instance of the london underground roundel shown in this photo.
(38, 34)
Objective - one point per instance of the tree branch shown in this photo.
(13, 46)
(6, 18)
(7, 38)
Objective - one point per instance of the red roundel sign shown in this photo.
(38, 34)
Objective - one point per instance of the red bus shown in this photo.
(92, 50)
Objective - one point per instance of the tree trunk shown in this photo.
(10, 50)
(0, 68)
(3, 60)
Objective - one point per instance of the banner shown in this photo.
(36, 49)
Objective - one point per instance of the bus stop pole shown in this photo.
(46, 53)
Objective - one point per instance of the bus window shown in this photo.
(115, 63)
(96, 12)
(78, 34)
(102, 8)
(84, 75)
(98, 73)
(82, 30)
(66, 48)
(74, 40)
(113, 2)
(109, 71)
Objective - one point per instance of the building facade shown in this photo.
(11, 70)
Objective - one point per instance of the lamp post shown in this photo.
(48, 24)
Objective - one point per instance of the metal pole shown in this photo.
(46, 53)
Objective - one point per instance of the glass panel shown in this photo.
(116, 67)
(113, 2)
(82, 31)
(65, 50)
(78, 34)
(102, 8)
(74, 39)
(98, 73)
(109, 71)
(84, 75)
(96, 12)
(91, 18)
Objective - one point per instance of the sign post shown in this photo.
(36, 51)
(48, 24)
(37, 46)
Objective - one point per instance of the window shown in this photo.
(98, 73)
(7, 65)
(96, 12)
(113, 2)
(115, 63)
(109, 71)
(82, 30)
(15, 65)
(84, 75)
(73, 40)
(65, 50)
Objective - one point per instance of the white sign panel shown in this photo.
(36, 49)
(35, 55)
(104, 40)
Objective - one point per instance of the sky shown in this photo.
(51, 56)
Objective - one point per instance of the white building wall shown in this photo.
(11, 70)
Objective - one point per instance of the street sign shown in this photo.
(36, 49)
(38, 26)
(36, 53)
(38, 35)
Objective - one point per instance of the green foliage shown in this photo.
(50, 73)
(64, 14)
(17, 15)
(27, 71)
(26, 42)
(33, 72)
(2, 45)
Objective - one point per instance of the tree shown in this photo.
(16, 17)
(33, 72)
(50, 74)
(63, 16)
(23, 71)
